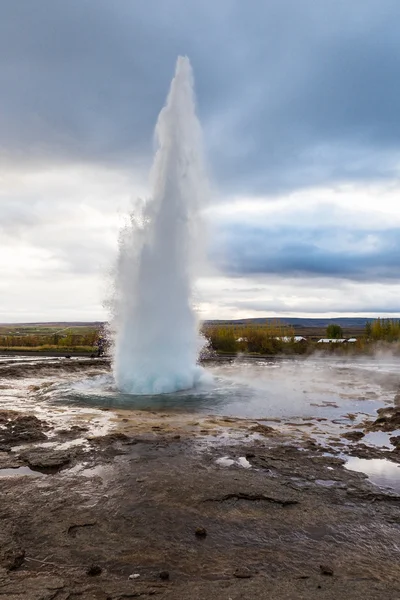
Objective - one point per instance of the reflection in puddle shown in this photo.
(380, 471)
(381, 439)
(19, 471)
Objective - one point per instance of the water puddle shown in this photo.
(225, 461)
(19, 472)
(380, 471)
(381, 439)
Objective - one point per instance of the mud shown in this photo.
(118, 515)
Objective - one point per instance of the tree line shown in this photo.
(387, 330)
(271, 337)
(52, 341)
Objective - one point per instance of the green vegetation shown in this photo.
(334, 331)
(42, 338)
(270, 337)
(387, 330)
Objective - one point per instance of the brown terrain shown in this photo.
(148, 509)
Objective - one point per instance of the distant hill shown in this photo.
(55, 324)
(298, 323)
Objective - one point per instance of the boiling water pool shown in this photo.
(285, 389)
(314, 398)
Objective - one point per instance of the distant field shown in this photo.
(78, 337)
(50, 337)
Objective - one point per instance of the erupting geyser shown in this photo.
(156, 331)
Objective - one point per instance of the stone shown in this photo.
(200, 532)
(395, 441)
(18, 428)
(46, 460)
(164, 575)
(243, 573)
(326, 570)
(11, 556)
(353, 435)
(263, 429)
(94, 570)
(388, 419)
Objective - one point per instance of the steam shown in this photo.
(156, 331)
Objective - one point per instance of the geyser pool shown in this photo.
(155, 326)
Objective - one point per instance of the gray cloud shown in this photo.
(335, 252)
(290, 92)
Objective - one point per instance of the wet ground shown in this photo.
(278, 480)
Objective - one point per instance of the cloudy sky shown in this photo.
(300, 106)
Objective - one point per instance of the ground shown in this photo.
(150, 509)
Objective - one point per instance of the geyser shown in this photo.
(156, 339)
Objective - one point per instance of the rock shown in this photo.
(326, 570)
(17, 428)
(353, 435)
(200, 532)
(243, 573)
(75, 527)
(94, 570)
(11, 555)
(395, 440)
(46, 460)
(351, 416)
(388, 419)
(109, 438)
(73, 431)
(164, 575)
(263, 429)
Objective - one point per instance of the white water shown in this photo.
(156, 330)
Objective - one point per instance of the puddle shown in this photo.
(84, 470)
(57, 445)
(380, 439)
(380, 471)
(19, 472)
(225, 461)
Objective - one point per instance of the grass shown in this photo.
(50, 348)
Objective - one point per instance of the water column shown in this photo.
(156, 330)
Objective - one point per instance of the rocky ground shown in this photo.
(150, 509)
